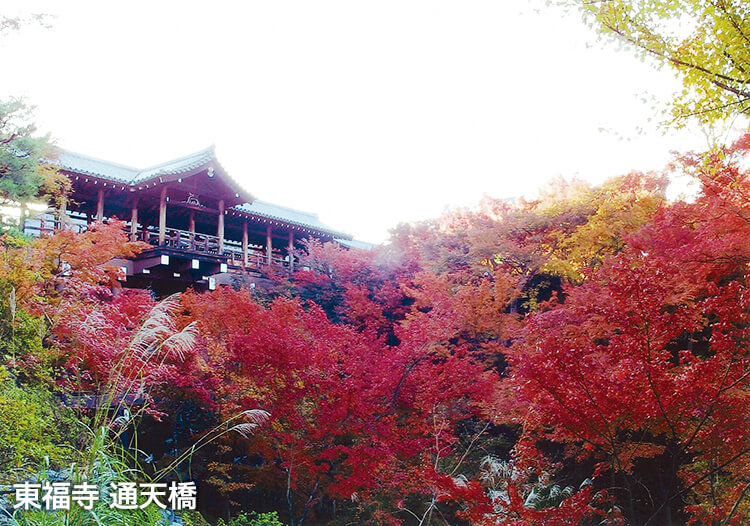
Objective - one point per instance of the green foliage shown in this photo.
(14, 237)
(253, 519)
(102, 462)
(24, 176)
(101, 514)
(706, 42)
(20, 153)
(21, 332)
(32, 425)
(21, 337)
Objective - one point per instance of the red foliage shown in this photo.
(624, 392)
(351, 417)
(648, 362)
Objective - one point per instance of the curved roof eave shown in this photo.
(263, 209)
(92, 166)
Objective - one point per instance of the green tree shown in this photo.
(24, 176)
(707, 42)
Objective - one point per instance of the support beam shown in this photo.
(220, 229)
(134, 220)
(244, 243)
(269, 244)
(290, 251)
(100, 205)
(163, 216)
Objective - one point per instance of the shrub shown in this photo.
(33, 424)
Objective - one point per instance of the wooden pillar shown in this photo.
(163, 216)
(269, 244)
(191, 229)
(100, 205)
(290, 250)
(134, 220)
(244, 243)
(220, 228)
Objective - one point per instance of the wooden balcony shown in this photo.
(181, 240)
(177, 241)
(256, 258)
(205, 244)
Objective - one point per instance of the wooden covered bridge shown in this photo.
(202, 225)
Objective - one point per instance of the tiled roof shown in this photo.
(288, 215)
(87, 165)
(181, 165)
(84, 164)
(353, 243)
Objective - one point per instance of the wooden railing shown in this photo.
(255, 258)
(48, 226)
(175, 238)
(208, 244)
(181, 240)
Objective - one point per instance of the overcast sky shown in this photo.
(369, 113)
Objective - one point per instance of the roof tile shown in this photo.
(88, 165)
(288, 215)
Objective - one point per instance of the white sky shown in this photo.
(367, 112)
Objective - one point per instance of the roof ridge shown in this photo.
(211, 149)
(289, 208)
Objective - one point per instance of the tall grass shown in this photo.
(103, 460)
